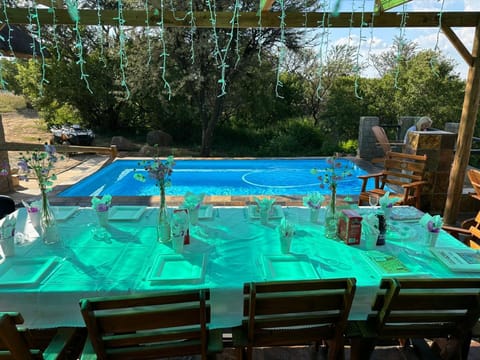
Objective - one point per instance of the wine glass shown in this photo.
(373, 200)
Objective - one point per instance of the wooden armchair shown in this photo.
(468, 233)
(402, 174)
(295, 313)
(23, 344)
(384, 142)
(474, 177)
(421, 308)
(150, 326)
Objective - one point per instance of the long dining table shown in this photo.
(228, 247)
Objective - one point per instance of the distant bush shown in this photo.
(10, 102)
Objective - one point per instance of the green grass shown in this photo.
(10, 102)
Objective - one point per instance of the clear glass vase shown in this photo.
(331, 217)
(163, 226)
(48, 223)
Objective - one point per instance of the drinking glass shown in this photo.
(373, 200)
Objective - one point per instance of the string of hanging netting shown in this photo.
(436, 48)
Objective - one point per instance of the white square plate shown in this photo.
(406, 213)
(64, 212)
(177, 269)
(205, 212)
(458, 259)
(126, 212)
(275, 213)
(25, 272)
(288, 267)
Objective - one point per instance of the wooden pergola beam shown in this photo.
(457, 43)
(249, 19)
(266, 5)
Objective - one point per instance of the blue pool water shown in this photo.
(219, 177)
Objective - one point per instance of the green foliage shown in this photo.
(349, 146)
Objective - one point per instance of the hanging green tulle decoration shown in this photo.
(122, 54)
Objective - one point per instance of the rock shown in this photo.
(148, 150)
(123, 144)
(159, 137)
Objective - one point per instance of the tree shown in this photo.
(400, 53)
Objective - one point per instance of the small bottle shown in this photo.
(382, 228)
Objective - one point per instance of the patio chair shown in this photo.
(150, 326)
(24, 344)
(416, 309)
(287, 313)
(7, 206)
(384, 142)
(474, 177)
(468, 233)
(402, 176)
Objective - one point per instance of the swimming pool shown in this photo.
(218, 177)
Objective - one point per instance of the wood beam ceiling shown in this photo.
(250, 19)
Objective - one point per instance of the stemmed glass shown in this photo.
(373, 200)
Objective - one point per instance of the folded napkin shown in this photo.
(192, 201)
(431, 223)
(33, 207)
(386, 201)
(370, 229)
(286, 228)
(102, 204)
(7, 226)
(179, 223)
(313, 200)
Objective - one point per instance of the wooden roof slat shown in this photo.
(457, 43)
(250, 19)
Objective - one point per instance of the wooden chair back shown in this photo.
(296, 313)
(383, 141)
(474, 177)
(148, 326)
(403, 173)
(21, 344)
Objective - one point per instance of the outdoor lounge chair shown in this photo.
(402, 176)
(384, 142)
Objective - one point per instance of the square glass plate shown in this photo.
(275, 213)
(64, 212)
(17, 272)
(461, 260)
(126, 212)
(205, 212)
(177, 269)
(288, 267)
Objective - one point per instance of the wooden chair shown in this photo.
(295, 313)
(384, 142)
(22, 344)
(421, 308)
(150, 326)
(403, 173)
(474, 177)
(468, 233)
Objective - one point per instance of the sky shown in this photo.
(379, 40)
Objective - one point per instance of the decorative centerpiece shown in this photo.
(286, 231)
(161, 172)
(329, 177)
(264, 206)
(40, 164)
(101, 207)
(386, 204)
(314, 202)
(433, 225)
(192, 203)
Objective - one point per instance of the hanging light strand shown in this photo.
(73, 12)
(361, 39)
(213, 22)
(224, 52)
(324, 41)
(33, 14)
(122, 54)
(51, 10)
(436, 49)
(281, 55)
(10, 30)
(401, 44)
(148, 32)
(164, 53)
(101, 38)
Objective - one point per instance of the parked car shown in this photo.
(72, 135)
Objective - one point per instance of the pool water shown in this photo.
(219, 177)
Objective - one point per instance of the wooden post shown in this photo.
(465, 133)
(6, 183)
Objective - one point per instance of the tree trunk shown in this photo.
(208, 127)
